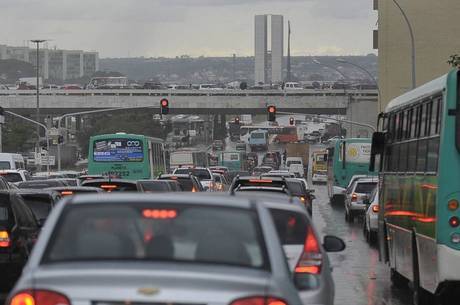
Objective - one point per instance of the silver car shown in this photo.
(307, 257)
(123, 248)
(370, 227)
(355, 196)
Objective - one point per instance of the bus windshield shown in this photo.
(258, 135)
(118, 150)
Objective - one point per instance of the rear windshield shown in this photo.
(4, 216)
(296, 188)
(202, 174)
(12, 177)
(160, 232)
(293, 162)
(5, 165)
(113, 186)
(39, 206)
(155, 186)
(365, 187)
(291, 226)
(40, 184)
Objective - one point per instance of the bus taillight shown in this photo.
(454, 221)
(452, 205)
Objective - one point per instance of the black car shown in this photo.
(41, 184)
(291, 186)
(41, 202)
(189, 183)
(158, 186)
(112, 185)
(18, 232)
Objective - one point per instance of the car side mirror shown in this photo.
(333, 244)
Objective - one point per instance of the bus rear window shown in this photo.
(118, 150)
(5, 165)
(258, 135)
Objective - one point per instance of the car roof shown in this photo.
(73, 188)
(365, 180)
(174, 198)
(109, 181)
(179, 176)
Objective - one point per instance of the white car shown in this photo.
(370, 227)
(15, 175)
(203, 174)
(319, 177)
(355, 196)
(297, 170)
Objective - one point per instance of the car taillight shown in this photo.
(311, 259)
(4, 239)
(354, 197)
(375, 208)
(259, 301)
(39, 297)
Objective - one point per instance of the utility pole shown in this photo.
(288, 77)
(233, 67)
(37, 117)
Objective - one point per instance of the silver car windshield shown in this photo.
(189, 234)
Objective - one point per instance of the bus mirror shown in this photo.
(378, 146)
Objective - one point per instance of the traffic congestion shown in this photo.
(238, 226)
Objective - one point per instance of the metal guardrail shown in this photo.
(236, 93)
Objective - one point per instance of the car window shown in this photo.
(296, 188)
(40, 184)
(291, 226)
(183, 233)
(41, 207)
(202, 174)
(5, 165)
(12, 177)
(6, 218)
(217, 178)
(24, 214)
(154, 186)
(365, 187)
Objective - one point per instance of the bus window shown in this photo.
(433, 154)
(421, 155)
(403, 157)
(412, 157)
(5, 165)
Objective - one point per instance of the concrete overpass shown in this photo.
(55, 102)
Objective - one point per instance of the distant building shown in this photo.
(55, 64)
(261, 51)
(435, 26)
(269, 64)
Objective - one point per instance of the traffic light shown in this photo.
(237, 120)
(164, 104)
(291, 121)
(271, 113)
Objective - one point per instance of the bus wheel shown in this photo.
(397, 279)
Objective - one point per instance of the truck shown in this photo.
(319, 166)
(28, 83)
(299, 150)
(258, 140)
(188, 158)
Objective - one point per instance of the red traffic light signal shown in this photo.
(271, 113)
(291, 121)
(164, 103)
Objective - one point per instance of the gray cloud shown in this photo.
(174, 27)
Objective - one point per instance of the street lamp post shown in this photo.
(38, 126)
(37, 118)
(315, 61)
(411, 33)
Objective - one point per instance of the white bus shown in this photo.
(11, 161)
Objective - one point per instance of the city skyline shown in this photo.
(173, 28)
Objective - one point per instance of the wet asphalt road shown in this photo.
(360, 279)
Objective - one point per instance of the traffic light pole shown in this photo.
(337, 120)
(38, 125)
(88, 112)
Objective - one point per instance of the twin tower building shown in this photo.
(269, 31)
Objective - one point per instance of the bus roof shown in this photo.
(425, 90)
(122, 135)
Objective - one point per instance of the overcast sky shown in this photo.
(121, 28)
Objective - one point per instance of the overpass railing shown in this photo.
(225, 92)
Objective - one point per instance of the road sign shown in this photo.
(48, 160)
(53, 132)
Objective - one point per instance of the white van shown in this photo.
(292, 86)
(11, 161)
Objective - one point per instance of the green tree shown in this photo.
(454, 60)
(17, 135)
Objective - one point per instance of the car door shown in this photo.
(27, 227)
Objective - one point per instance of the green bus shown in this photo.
(346, 158)
(233, 160)
(126, 156)
(418, 148)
